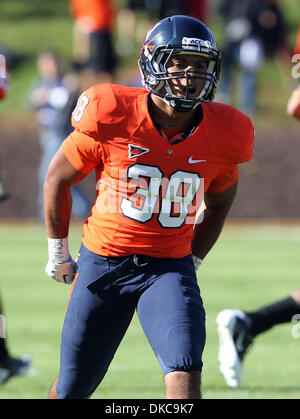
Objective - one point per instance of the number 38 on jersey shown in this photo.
(149, 192)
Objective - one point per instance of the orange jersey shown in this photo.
(149, 191)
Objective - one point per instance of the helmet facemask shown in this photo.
(156, 76)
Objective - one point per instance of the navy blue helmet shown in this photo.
(179, 35)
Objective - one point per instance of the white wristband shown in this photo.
(58, 250)
(197, 262)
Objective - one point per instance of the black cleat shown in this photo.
(12, 367)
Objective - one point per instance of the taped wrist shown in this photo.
(58, 250)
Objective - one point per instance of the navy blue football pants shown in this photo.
(105, 295)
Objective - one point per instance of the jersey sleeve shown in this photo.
(83, 146)
(243, 135)
(85, 116)
(234, 145)
(82, 151)
(233, 134)
(224, 180)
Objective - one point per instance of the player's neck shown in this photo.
(166, 116)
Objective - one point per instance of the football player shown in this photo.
(155, 152)
(9, 366)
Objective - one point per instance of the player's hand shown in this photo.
(60, 266)
(197, 262)
(62, 272)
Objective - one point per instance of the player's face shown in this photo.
(48, 66)
(187, 63)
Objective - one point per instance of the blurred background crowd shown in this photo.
(54, 50)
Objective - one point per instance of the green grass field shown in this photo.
(251, 265)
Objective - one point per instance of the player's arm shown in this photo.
(207, 232)
(3, 77)
(293, 105)
(57, 212)
(60, 178)
(80, 154)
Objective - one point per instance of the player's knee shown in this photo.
(186, 349)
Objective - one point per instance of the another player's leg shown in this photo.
(172, 315)
(279, 312)
(10, 366)
(237, 329)
(3, 195)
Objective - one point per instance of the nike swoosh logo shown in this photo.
(192, 161)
